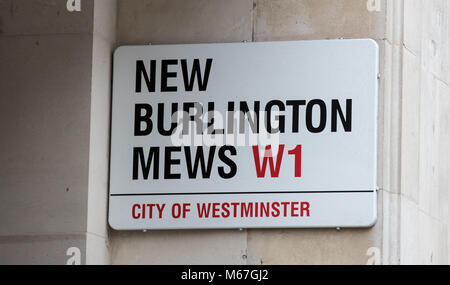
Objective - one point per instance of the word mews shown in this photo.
(200, 164)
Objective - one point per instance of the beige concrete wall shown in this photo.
(425, 182)
(194, 21)
(104, 39)
(55, 79)
(416, 208)
(45, 82)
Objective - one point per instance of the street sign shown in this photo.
(244, 135)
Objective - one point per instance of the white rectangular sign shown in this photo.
(244, 135)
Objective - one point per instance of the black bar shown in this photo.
(241, 193)
(225, 274)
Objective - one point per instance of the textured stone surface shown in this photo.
(310, 246)
(410, 126)
(317, 19)
(180, 21)
(179, 247)
(45, 122)
(45, 85)
(104, 38)
(38, 17)
(40, 249)
(425, 147)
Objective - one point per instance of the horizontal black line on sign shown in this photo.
(245, 193)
